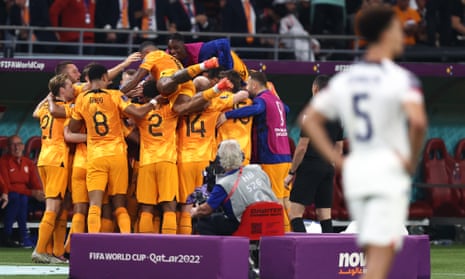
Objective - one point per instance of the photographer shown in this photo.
(237, 188)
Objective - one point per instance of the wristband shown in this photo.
(153, 102)
(291, 172)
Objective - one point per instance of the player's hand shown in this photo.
(339, 163)
(38, 195)
(162, 100)
(136, 92)
(407, 164)
(3, 200)
(50, 97)
(221, 119)
(224, 84)
(133, 57)
(288, 180)
(194, 211)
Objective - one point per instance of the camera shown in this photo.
(213, 169)
(201, 194)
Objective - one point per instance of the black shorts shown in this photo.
(313, 184)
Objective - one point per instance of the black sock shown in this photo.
(326, 226)
(297, 225)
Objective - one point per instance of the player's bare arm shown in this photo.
(140, 111)
(113, 72)
(71, 137)
(240, 96)
(417, 130)
(56, 110)
(185, 105)
(75, 125)
(35, 113)
(138, 76)
(299, 154)
(313, 125)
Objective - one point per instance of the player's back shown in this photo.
(101, 113)
(158, 136)
(158, 61)
(239, 129)
(369, 100)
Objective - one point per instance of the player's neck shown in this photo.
(378, 53)
(98, 85)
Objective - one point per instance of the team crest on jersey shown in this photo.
(26, 169)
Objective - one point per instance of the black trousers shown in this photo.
(215, 224)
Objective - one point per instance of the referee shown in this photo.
(313, 175)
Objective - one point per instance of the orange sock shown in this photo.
(93, 219)
(124, 222)
(78, 225)
(146, 222)
(108, 226)
(169, 223)
(45, 231)
(50, 246)
(59, 234)
(185, 223)
(287, 227)
(194, 70)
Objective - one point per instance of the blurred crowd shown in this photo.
(434, 23)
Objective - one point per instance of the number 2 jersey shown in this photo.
(369, 100)
(101, 111)
(158, 136)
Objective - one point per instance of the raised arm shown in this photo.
(35, 113)
(138, 76)
(113, 72)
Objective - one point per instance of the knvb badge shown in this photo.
(352, 264)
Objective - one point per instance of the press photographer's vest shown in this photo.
(254, 185)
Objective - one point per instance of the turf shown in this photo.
(447, 262)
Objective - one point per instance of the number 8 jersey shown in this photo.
(101, 111)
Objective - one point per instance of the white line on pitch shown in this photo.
(33, 270)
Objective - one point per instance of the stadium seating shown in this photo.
(3, 144)
(32, 148)
(460, 160)
(445, 201)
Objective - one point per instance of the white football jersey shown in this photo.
(368, 99)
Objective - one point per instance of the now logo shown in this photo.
(355, 259)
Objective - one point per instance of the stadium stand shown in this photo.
(445, 201)
(32, 148)
(3, 144)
